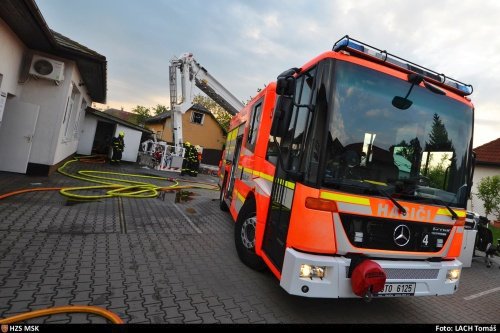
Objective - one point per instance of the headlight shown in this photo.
(310, 271)
(453, 275)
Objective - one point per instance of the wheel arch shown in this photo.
(249, 205)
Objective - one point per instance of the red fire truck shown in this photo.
(349, 176)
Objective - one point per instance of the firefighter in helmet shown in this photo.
(186, 161)
(117, 144)
(197, 162)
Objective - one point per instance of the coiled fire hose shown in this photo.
(113, 183)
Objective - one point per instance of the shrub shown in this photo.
(489, 193)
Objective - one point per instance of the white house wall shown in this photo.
(49, 146)
(87, 135)
(480, 172)
(67, 145)
(11, 55)
(132, 141)
(51, 100)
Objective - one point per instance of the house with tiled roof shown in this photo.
(487, 165)
(99, 128)
(122, 114)
(47, 80)
(199, 127)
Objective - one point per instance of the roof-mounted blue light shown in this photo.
(364, 50)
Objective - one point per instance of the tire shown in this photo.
(244, 239)
(222, 204)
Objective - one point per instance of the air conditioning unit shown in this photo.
(47, 68)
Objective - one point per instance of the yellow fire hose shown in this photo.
(64, 309)
(119, 187)
(116, 187)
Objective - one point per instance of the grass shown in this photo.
(496, 233)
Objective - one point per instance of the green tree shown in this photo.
(142, 113)
(406, 150)
(489, 192)
(437, 173)
(158, 109)
(438, 137)
(438, 142)
(222, 116)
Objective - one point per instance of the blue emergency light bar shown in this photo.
(364, 50)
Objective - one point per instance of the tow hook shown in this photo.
(368, 296)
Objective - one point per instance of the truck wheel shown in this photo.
(244, 238)
(222, 204)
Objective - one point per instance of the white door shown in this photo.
(16, 135)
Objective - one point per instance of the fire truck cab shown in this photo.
(348, 176)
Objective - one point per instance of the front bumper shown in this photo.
(430, 277)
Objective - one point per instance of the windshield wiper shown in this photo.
(402, 210)
(454, 215)
(341, 182)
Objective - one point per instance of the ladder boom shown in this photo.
(192, 73)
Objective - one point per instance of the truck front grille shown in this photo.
(378, 233)
(407, 273)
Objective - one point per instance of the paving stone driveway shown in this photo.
(157, 261)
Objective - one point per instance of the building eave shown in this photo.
(120, 121)
(26, 21)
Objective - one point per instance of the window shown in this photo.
(254, 126)
(272, 150)
(70, 112)
(197, 118)
(78, 118)
(420, 154)
(301, 119)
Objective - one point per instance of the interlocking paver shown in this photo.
(172, 312)
(202, 308)
(160, 269)
(190, 316)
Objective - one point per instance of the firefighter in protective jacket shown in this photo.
(117, 144)
(189, 161)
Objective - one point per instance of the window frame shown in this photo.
(73, 105)
(298, 108)
(254, 124)
(193, 113)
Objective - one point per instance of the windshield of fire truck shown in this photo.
(420, 154)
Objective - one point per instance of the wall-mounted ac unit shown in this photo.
(47, 68)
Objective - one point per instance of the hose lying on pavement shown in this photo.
(119, 187)
(64, 309)
(114, 187)
(6, 195)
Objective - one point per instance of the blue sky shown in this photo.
(245, 44)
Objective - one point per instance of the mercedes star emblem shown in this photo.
(401, 235)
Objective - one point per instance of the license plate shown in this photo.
(398, 289)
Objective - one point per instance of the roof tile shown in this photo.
(488, 153)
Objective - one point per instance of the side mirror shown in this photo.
(285, 86)
(285, 83)
(282, 116)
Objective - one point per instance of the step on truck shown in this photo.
(349, 176)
